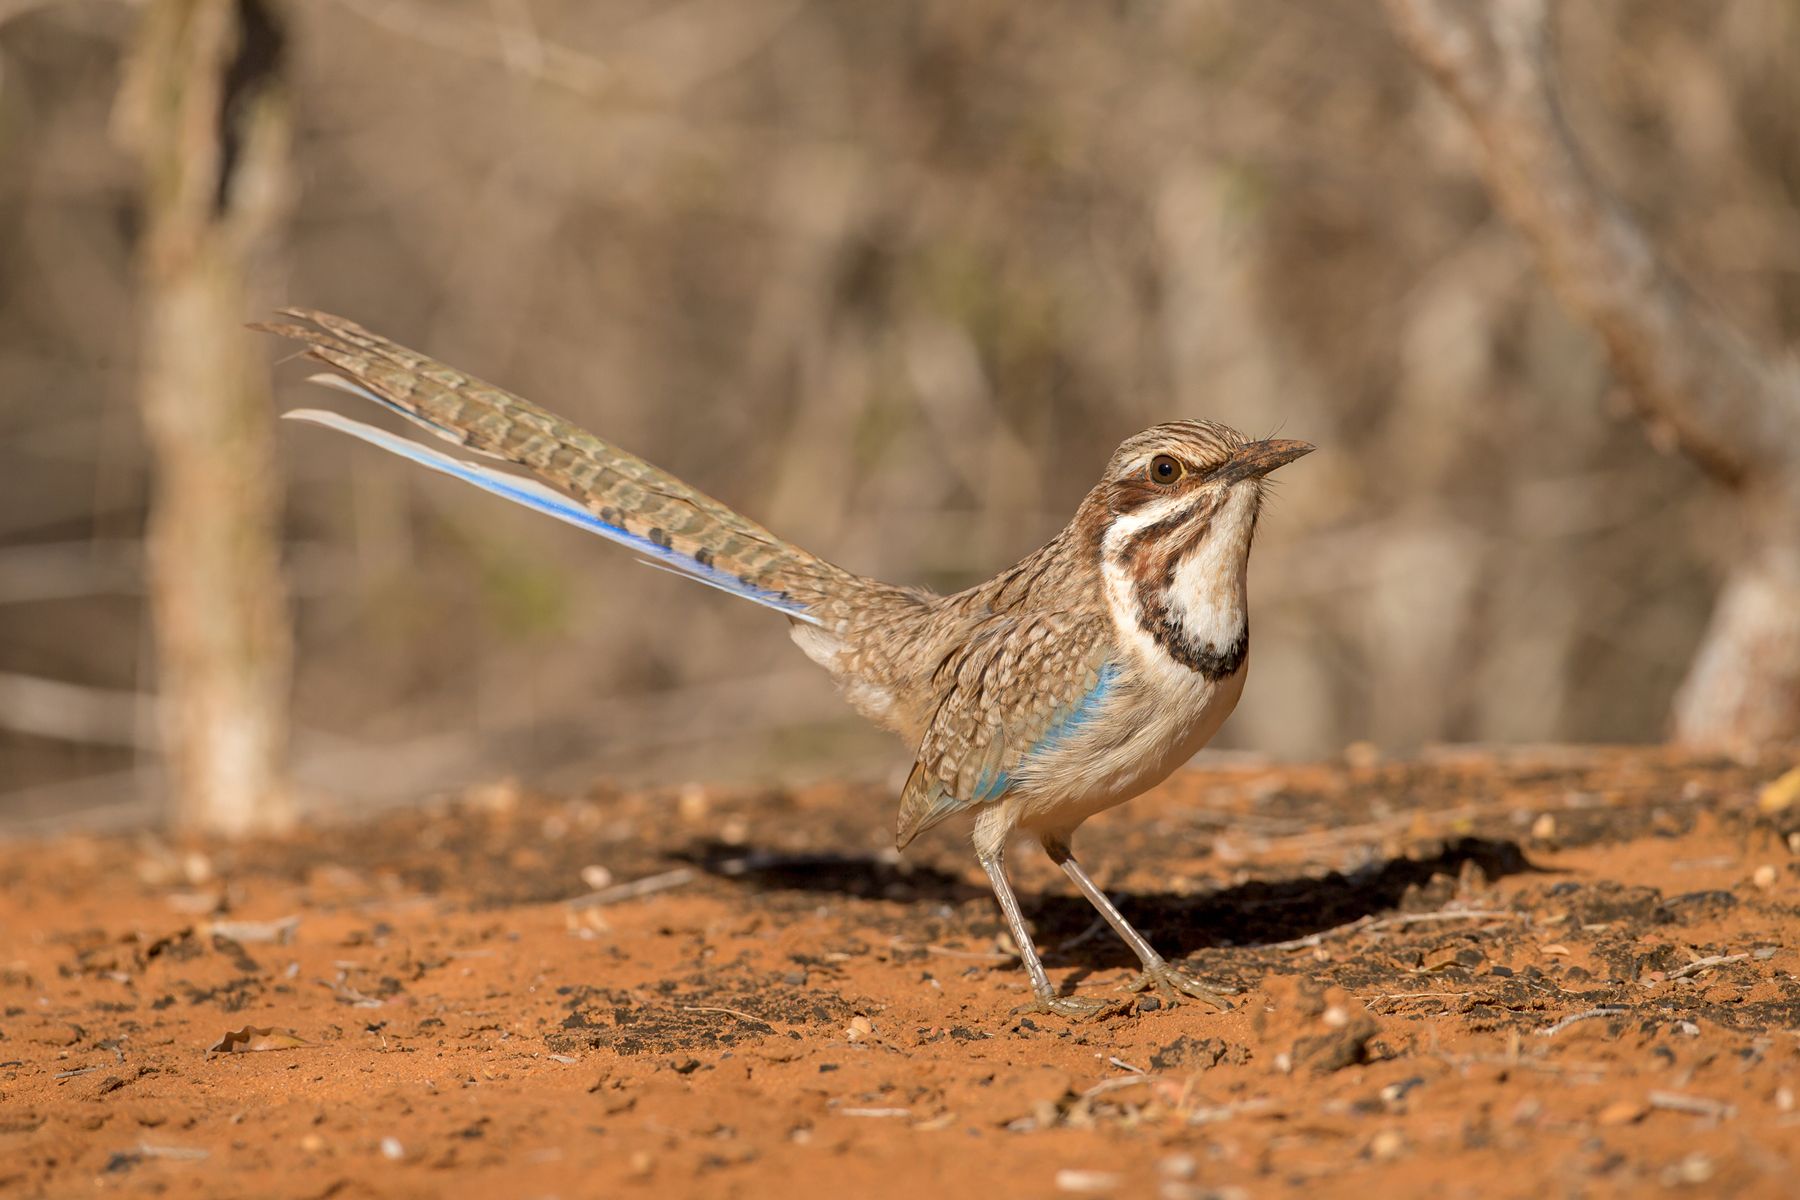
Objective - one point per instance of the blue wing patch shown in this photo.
(1075, 716)
(926, 799)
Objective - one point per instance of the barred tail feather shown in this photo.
(536, 496)
(591, 483)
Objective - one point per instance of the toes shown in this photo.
(1173, 985)
(1075, 1008)
(1199, 991)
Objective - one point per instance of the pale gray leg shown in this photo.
(1171, 982)
(1044, 995)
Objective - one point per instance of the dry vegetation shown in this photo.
(892, 278)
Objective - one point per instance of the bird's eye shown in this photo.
(1165, 470)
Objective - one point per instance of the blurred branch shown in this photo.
(513, 45)
(687, 43)
(50, 708)
(63, 570)
(11, 9)
(1732, 407)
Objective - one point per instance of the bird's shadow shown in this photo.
(1252, 913)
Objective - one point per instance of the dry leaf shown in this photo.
(1781, 794)
(250, 1040)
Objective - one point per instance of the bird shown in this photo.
(1067, 684)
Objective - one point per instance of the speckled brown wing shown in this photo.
(656, 511)
(1021, 683)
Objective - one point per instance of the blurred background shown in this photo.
(893, 279)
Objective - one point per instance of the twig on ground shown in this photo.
(952, 952)
(1397, 921)
(1700, 1106)
(1224, 1112)
(739, 1013)
(636, 888)
(1706, 964)
(1116, 1082)
(1605, 1010)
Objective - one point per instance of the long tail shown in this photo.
(602, 488)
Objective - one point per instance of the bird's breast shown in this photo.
(1146, 730)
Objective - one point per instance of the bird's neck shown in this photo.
(1173, 577)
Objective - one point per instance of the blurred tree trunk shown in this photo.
(202, 107)
(1732, 407)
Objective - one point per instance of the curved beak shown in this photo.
(1253, 460)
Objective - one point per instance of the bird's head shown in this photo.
(1179, 507)
(1183, 469)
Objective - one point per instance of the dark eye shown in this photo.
(1165, 470)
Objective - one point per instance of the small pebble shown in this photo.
(1086, 1183)
(1395, 1093)
(1695, 1168)
(595, 876)
(1765, 877)
(1387, 1145)
(692, 804)
(1178, 1166)
(1544, 828)
(392, 1150)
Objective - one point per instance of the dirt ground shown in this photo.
(1566, 973)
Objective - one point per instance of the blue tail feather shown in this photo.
(546, 500)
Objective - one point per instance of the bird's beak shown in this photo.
(1253, 460)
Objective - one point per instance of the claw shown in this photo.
(1172, 984)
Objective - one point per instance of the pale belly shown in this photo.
(1125, 755)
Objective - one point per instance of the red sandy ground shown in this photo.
(795, 1013)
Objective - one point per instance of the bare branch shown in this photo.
(1732, 407)
(514, 46)
(654, 61)
(72, 712)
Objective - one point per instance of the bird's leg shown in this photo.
(1171, 982)
(1044, 997)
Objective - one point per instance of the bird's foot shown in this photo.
(1174, 984)
(1075, 1008)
